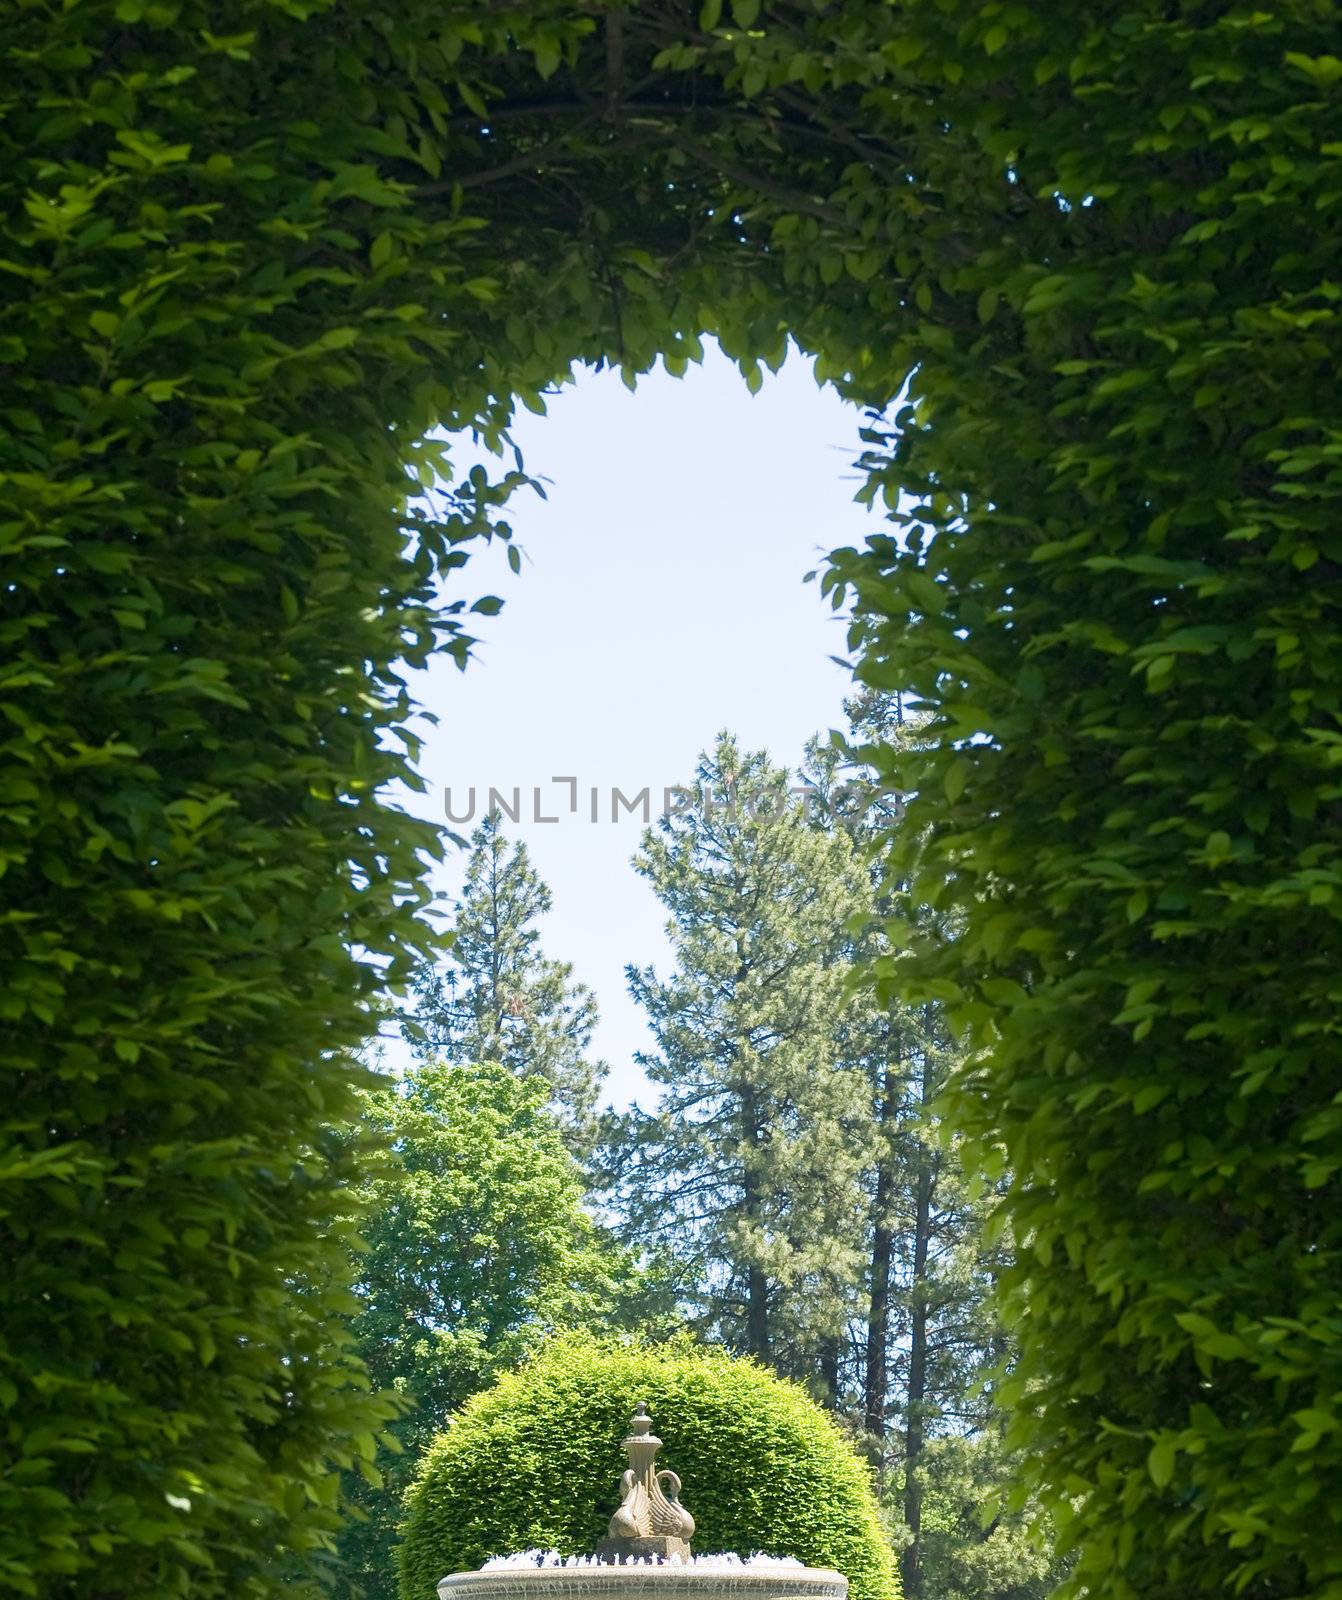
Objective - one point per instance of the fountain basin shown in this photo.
(701, 1579)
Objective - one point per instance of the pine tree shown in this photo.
(919, 1356)
(498, 997)
(750, 1167)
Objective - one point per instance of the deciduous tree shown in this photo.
(477, 1245)
(979, 1541)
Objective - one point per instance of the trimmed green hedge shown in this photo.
(535, 1462)
(253, 250)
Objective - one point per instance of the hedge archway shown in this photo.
(254, 253)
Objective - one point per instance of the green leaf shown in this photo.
(1160, 1462)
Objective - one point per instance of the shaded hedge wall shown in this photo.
(211, 385)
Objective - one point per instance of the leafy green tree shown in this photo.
(497, 997)
(1114, 587)
(477, 1245)
(749, 1169)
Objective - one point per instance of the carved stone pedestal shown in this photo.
(651, 1522)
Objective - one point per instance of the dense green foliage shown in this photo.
(497, 996)
(226, 330)
(476, 1246)
(253, 251)
(1121, 600)
(207, 595)
(534, 1463)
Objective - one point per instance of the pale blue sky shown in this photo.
(660, 600)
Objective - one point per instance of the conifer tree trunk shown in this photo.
(757, 1282)
(876, 1377)
(914, 1416)
(757, 1313)
(876, 1372)
(829, 1371)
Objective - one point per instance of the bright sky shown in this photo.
(661, 599)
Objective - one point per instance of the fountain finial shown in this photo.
(651, 1521)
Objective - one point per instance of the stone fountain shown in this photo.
(646, 1554)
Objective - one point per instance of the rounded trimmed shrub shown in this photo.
(535, 1462)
